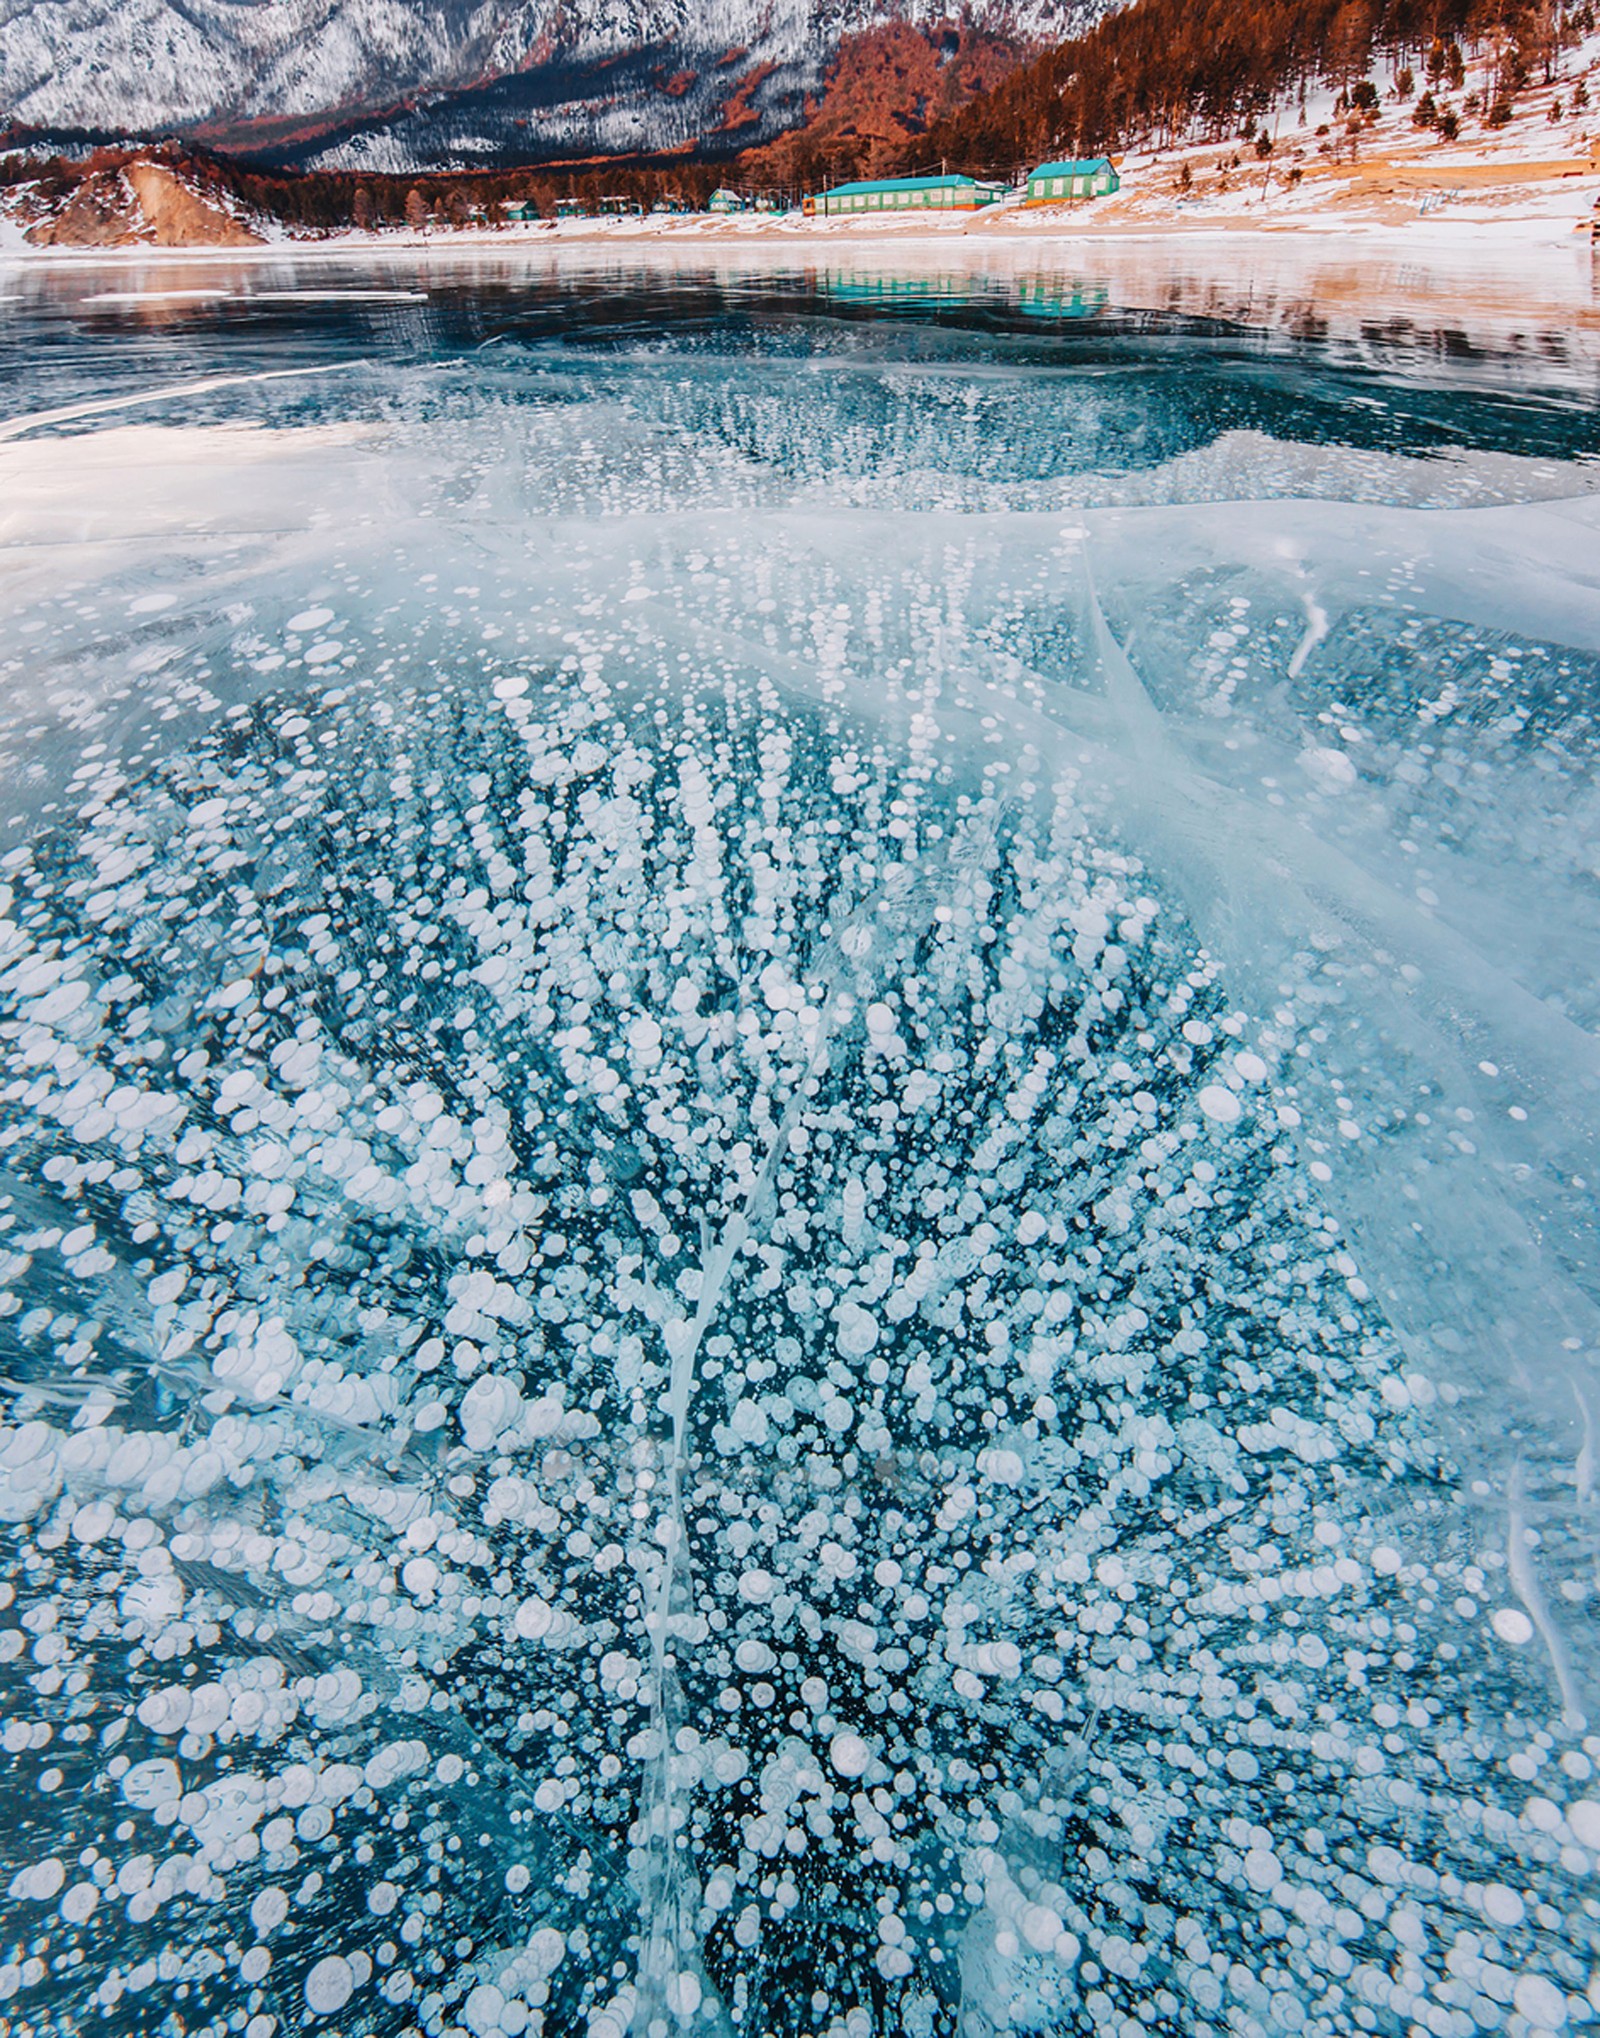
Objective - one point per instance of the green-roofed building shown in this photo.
(1085, 177)
(905, 194)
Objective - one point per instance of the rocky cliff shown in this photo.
(141, 203)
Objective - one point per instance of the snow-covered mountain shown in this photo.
(400, 83)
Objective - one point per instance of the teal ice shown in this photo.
(797, 1173)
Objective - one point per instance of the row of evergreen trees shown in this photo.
(331, 201)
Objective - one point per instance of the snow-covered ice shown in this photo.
(797, 1224)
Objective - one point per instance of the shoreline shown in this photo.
(1466, 201)
(1522, 233)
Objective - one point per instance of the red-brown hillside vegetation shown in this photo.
(1163, 70)
(885, 87)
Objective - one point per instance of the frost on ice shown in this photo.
(679, 1374)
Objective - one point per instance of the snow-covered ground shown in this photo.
(1514, 213)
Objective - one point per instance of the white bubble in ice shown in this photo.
(776, 989)
(1330, 769)
(1541, 2002)
(268, 1910)
(1042, 1927)
(310, 619)
(837, 1414)
(858, 1330)
(748, 1421)
(1502, 1905)
(330, 1985)
(849, 1754)
(683, 1994)
(533, 1618)
(757, 1586)
(545, 1952)
(483, 2009)
(1220, 1105)
(1002, 1659)
(80, 1903)
(1512, 1625)
(41, 1881)
(149, 1784)
(1262, 1868)
(489, 1406)
(1583, 1817)
(1251, 1068)
(166, 1710)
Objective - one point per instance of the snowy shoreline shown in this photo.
(1554, 213)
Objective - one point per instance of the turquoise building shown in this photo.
(1085, 177)
(906, 194)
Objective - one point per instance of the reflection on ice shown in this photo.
(774, 1270)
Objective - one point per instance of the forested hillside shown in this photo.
(1165, 71)
(1307, 86)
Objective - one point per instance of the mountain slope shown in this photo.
(413, 83)
(885, 87)
(1167, 71)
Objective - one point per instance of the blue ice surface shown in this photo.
(799, 1092)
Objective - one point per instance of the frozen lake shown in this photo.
(798, 1228)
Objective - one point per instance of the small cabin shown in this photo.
(618, 207)
(1059, 183)
(727, 201)
(522, 210)
(905, 194)
(571, 208)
